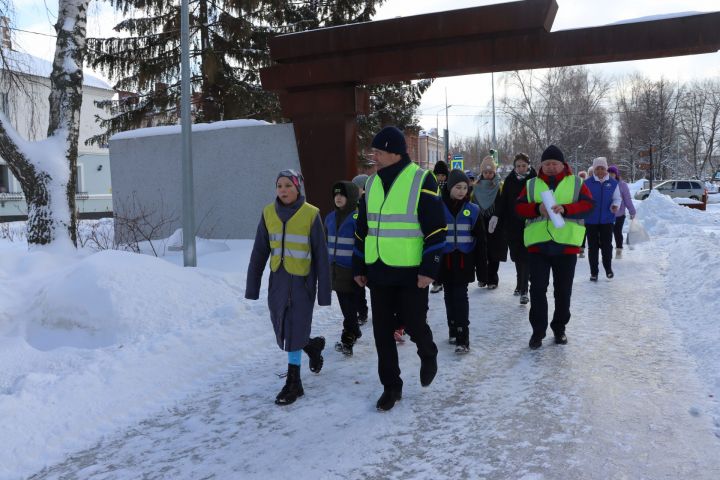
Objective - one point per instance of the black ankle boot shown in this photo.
(388, 398)
(314, 350)
(428, 369)
(293, 387)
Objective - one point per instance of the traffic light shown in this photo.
(494, 153)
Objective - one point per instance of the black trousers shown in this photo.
(411, 305)
(361, 301)
(457, 306)
(518, 254)
(488, 272)
(617, 231)
(563, 272)
(599, 239)
(348, 306)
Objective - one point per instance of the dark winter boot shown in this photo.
(345, 345)
(388, 398)
(314, 350)
(463, 340)
(428, 369)
(293, 387)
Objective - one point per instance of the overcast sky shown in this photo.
(470, 94)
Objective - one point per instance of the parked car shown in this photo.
(676, 188)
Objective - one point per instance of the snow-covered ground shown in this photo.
(116, 365)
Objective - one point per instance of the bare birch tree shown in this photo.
(46, 169)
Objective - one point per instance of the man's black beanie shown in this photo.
(390, 139)
(441, 168)
(552, 153)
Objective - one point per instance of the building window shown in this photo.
(4, 179)
(4, 103)
(78, 179)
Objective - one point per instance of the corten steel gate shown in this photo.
(318, 73)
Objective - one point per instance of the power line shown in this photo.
(34, 33)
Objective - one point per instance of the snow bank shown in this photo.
(689, 240)
(659, 213)
(197, 127)
(93, 341)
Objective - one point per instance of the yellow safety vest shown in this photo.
(290, 241)
(541, 230)
(394, 234)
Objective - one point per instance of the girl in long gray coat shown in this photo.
(291, 234)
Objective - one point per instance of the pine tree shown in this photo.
(229, 45)
(390, 104)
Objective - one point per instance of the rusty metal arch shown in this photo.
(317, 73)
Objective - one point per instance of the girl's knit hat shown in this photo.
(295, 177)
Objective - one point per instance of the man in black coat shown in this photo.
(401, 290)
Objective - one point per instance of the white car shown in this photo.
(693, 189)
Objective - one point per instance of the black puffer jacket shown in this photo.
(513, 225)
(457, 267)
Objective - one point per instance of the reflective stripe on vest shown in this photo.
(459, 233)
(290, 241)
(341, 240)
(541, 230)
(394, 234)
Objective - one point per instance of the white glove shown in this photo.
(492, 224)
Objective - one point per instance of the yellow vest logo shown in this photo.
(466, 212)
(355, 216)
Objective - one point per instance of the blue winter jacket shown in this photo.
(341, 240)
(602, 193)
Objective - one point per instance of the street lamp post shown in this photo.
(577, 158)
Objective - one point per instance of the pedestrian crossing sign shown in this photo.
(457, 163)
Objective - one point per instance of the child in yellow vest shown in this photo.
(291, 234)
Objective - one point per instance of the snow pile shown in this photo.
(659, 214)
(89, 342)
(688, 238)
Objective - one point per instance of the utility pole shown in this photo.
(189, 253)
(494, 139)
(447, 130)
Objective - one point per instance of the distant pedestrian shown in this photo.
(513, 225)
(400, 236)
(486, 195)
(291, 234)
(465, 238)
(361, 297)
(441, 173)
(340, 228)
(626, 203)
(599, 223)
(552, 248)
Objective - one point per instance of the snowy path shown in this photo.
(622, 400)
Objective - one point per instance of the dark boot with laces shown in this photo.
(314, 350)
(293, 387)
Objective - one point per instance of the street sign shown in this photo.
(644, 166)
(457, 163)
(646, 153)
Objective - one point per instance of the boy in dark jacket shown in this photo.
(340, 228)
(465, 238)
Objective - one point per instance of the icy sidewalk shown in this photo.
(622, 400)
